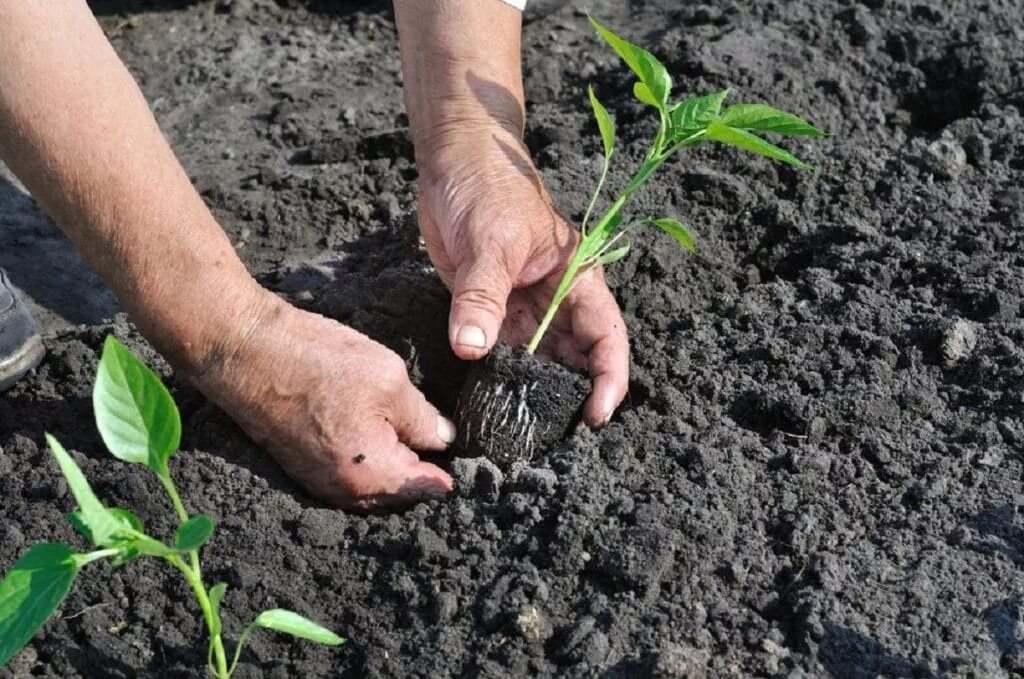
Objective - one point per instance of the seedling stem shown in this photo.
(683, 124)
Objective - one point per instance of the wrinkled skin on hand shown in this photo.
(501, 247)
(335, 408)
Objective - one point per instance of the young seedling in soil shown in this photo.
(512, 406)
(139, 423)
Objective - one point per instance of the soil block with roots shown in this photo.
(514, 408)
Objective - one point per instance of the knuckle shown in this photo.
(487, 299)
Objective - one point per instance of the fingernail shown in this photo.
(608, 408)
(471, 336)
(445, 429)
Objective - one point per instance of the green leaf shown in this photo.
(691, 116)
(761, 118)
(93, 520)
(296, 625)
(127, 518)
(131, 546)
(652, 73)
(614, 255)
(742, 139)
(216, 596)
(677, 231)
(644, 95)
(31, 592)
(194, 533)
(135, 413)
(604, 124)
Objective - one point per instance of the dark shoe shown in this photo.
(21, 348)
(538, 9)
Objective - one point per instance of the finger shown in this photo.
(417, 423)
(479, 299)
(388, 473)
(600, 333)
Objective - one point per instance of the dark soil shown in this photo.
(817, 471)
(513, 408)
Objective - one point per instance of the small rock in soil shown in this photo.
(533, 625)
(945, 158)
(679, 662)
(958, 342)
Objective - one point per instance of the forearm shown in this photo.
(461, 65)
(76, 130)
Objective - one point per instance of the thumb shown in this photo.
(479, 296)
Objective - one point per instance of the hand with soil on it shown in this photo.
(488, 223)
(335, 408)
(501, 247)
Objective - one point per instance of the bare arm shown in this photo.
(76, 130)
(336, 409)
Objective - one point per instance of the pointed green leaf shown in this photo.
(748, 142)
(614, 255)
(604, 123)
(652, 73)
(677, 231)
(691, 116)
(135, 413)
(761, 118)
(644, 94)
(31, 592)
(194, 533)
(131, 545)
(296, 625)
(99, 523)
(80, 526)
(216, 596)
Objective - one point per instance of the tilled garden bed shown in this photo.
(817, 471)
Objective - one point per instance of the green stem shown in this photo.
(595, 239)
(172, 492)
(89, 557)
(195, 576)
(564, 286)
(597, 192)
(195, 581)
(238, 649)
(583, 250)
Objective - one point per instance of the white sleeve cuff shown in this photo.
(518, 4)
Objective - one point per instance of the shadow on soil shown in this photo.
(847, 654)
(43, 264)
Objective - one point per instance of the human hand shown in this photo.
(335, 408)
(501, 247)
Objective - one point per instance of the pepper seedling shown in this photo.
(139, 423)
(684, 124)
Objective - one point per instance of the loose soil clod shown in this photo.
(514, 407)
